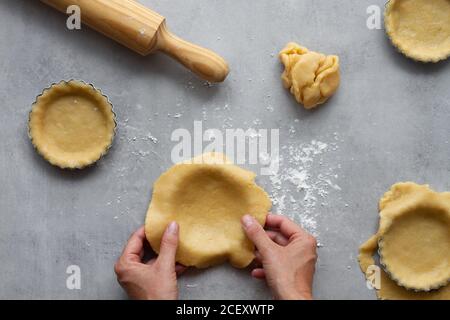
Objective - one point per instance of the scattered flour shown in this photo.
(150, 137)
(302, 182)
(190, 85)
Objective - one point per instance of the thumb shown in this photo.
(256, 234)
(169, 244)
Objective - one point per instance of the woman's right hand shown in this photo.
(286, 254)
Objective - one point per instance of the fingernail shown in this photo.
(172, 228)
(247, 220)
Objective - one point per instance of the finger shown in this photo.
(286, 226)
(257, 263)
(256, 234)
(258, 256)
(258, 273)
(134, 249)
(180, 269)
(277, 237)
(169, 244)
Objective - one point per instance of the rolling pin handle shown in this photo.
(203, 62)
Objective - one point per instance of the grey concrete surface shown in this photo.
(389, 122)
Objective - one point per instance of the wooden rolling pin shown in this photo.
(144, 31)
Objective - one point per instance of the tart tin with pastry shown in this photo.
(420, 29)
(413, 243)
(72, 124)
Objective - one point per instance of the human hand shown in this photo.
(287, 255)
(155, 279)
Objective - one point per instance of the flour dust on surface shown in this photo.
(303, 182)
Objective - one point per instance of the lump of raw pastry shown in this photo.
(207, 196)
(413, 242)
(311, 77)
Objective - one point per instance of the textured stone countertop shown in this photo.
(389, 122)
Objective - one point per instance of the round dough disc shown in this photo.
(207, 197)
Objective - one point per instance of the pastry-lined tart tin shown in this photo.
(398, 44)
(413, 237)
(397, 280)
(74, 164)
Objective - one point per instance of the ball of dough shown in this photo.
(207, 196)
(311, 77)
